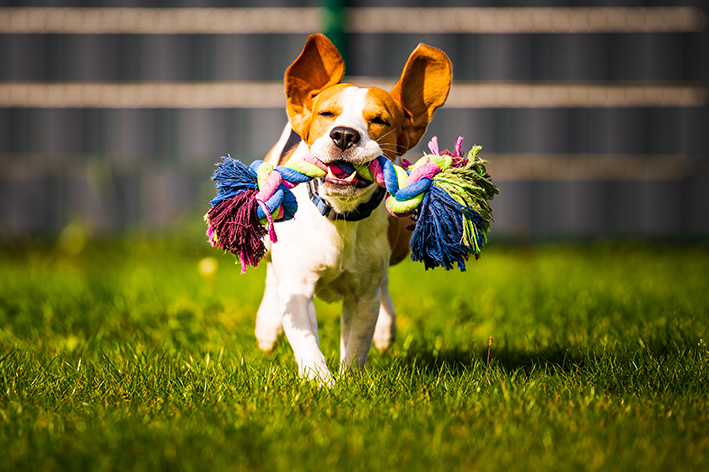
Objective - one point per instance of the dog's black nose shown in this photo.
(344, 137)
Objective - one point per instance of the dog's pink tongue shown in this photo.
(338, 172)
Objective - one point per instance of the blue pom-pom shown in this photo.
(232, 177)
(437, 239)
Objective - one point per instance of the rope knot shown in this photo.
(446, 193)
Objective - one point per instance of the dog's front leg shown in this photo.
(359, 317)
(268, 319)
(301, 328)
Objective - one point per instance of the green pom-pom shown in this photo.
(470, 185)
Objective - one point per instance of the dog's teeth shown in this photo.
(329, 173)
(352, 177)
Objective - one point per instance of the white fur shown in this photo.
(353, 101)
(335, 260)
(343, 260)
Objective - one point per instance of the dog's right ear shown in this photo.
(318, 67)
(422, 88)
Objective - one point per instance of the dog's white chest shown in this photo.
(342, 257)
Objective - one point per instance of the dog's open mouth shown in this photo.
(342, 173)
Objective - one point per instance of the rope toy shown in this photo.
(444, 193)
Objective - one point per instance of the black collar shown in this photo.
(359, 213)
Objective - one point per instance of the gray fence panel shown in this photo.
(120, 169)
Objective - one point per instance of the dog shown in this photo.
(342, 240)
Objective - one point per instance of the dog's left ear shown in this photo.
(422, 88)
(318, 67)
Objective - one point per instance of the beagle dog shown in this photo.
(342, 240)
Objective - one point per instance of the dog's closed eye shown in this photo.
(326, 113)
(378, 120)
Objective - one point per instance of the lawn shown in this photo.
(122, 355)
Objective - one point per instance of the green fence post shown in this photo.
(333, 25)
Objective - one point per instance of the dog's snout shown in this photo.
(344, 137)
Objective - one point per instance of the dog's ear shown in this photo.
(318, 67)
(423, 87)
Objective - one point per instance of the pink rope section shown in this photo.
(269, 187)
(269, 217)
(425, 171)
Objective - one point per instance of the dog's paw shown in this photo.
(318, 374)
(267, 335)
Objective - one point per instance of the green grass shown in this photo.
(124, 357)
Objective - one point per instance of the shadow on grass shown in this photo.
(458, 361)
(663, 348)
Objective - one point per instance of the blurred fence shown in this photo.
(595, 120)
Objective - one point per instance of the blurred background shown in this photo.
(593, 115)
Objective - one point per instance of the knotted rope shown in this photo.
(445, 193)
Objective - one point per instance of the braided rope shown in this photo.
(405, 186)
(462, 182)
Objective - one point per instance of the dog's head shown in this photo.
(342, 122)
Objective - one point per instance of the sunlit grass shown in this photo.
(138, 354)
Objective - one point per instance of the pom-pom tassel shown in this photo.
(233, 220)
(455, 215)
(232, 177)
(437, 239)
(469, 185)
(235, 223)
